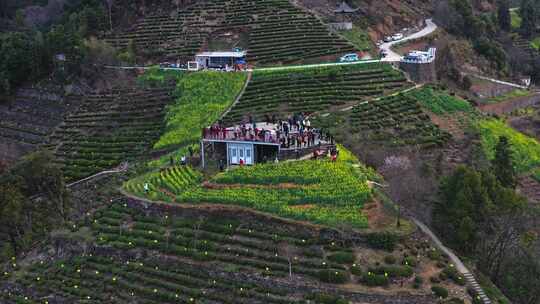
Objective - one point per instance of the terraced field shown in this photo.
(395, 120)
(172, 180)
(163, 36)
(110, 128)
(204, 257)
(310, 90)
(278, 31)
(317, 191)
(27, 121)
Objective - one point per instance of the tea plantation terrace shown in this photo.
(278, 31)
(395, 120)
(284, 92)
(109, 128)
(32, 116)
(201, 256)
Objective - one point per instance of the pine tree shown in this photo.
(503, 164)
(503, 16)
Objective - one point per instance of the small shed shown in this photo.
(220, 60)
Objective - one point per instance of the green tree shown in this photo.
(41, 176)
(503, 15)
(463, 207)
(15, 55)
(11, 206)
(528, 17)
(503, 164)
(129, 55)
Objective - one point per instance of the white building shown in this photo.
(220, 60)
(420, 56)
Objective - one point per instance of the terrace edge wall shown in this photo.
(420, 72)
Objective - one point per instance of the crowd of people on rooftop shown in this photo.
(294, 132)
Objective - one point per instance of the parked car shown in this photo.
(349, 58)
(387, 38)
(397, 36)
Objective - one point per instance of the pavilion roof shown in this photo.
(345, 8)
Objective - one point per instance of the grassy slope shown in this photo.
(439, 102)
(359, 38)
(203, 97)
(526, 149)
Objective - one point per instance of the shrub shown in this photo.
(441, 264)
(443, 276)
(477, 300)
(418, 281)
(454, 275)
(356, 270)
(323, 298)
(411, 261)
(342, 257)
(390, 259)
(382, 240)
(393, 271)
(456, 301)
(434, 254)
(371, 279)
(440, 291)
(333, 276)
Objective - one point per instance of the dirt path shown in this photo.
(511, 105)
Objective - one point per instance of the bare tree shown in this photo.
(109, 6)
(285, 250)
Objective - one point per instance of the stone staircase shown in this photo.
(471, 281)
(469, 277)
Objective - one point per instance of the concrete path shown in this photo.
(121, 168)
(500, 82)
(307, 66)
(469, 277)
(248, 79)
(393, 56)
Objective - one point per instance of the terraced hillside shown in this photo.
(317, 191)
(525, 45)
(284, 92)
(164, 36)
(395, 120)
(278, 31)
(181, 255)
(110, 128)
(26, 121)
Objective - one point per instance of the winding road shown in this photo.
(393, 56)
